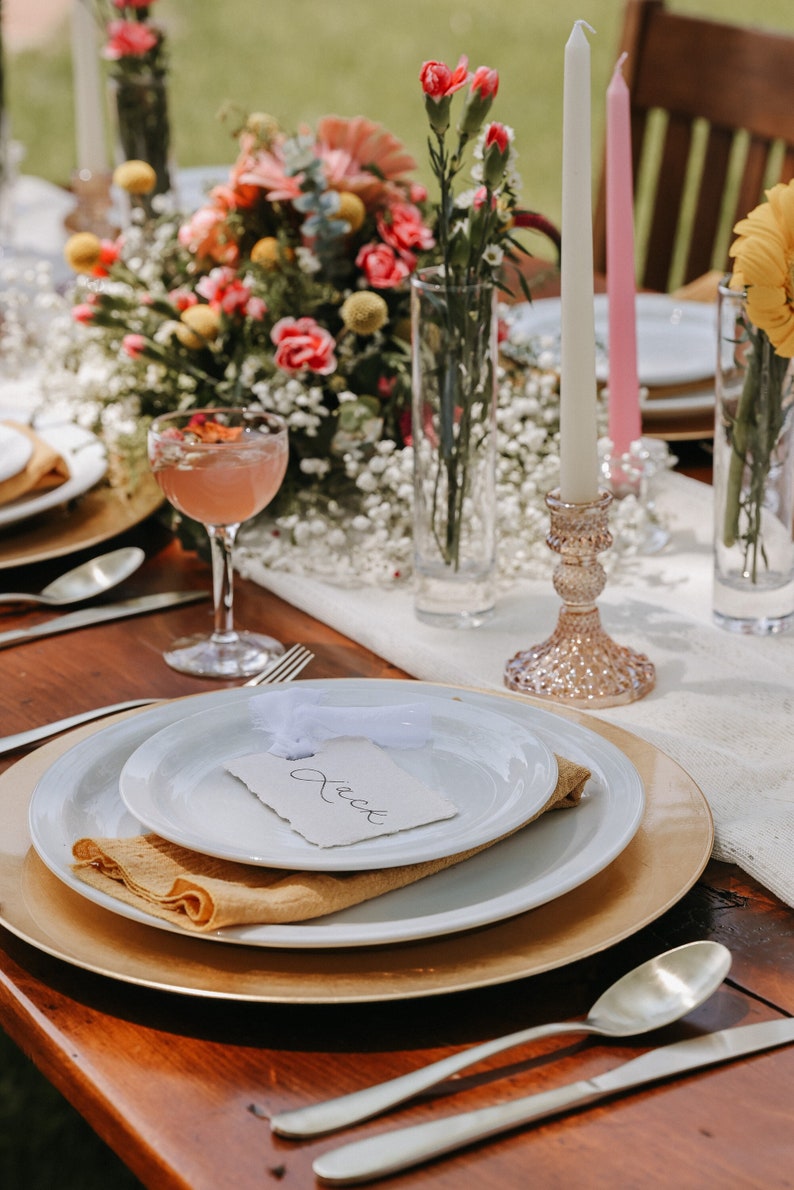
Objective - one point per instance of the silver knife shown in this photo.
(401, 1148)
(99, 615)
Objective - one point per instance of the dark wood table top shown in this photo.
(181, 1086)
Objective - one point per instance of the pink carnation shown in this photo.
(302, 345)
(485, 82)
(84, 312)
(438, 81)
(128, 39)
(133, 345)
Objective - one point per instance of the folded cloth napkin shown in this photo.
(203, 894)
(45, 469)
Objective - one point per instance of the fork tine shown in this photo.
(288, 666)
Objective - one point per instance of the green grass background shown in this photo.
(299, 59)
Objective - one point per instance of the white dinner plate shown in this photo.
(15, 450)
(676, 341)
(497, 775)
(79, 796)
(87, 463)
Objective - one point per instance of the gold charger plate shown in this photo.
(102, 513)
(662, 862)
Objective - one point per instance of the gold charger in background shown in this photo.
(665, 858)
(102, 513)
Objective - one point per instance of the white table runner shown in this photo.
(723, 706)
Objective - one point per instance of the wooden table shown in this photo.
(180, 1086)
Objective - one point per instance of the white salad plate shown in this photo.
(676, 341)
(15, 450)
(78, 796)
(85, 457)
(497, 775)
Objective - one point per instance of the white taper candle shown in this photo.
(578, 431)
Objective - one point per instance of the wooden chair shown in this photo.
(712, 128)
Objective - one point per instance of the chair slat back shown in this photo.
(712, 128)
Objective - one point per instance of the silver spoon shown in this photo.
(653, 995)
(84, 582)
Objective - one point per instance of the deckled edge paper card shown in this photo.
(348, 791)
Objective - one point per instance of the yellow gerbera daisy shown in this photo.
(763, 255)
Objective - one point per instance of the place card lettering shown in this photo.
(350, 791)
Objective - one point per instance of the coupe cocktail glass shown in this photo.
(220, 467)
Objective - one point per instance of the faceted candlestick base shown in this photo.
(92, 206)
(580, 665)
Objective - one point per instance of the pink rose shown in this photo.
(133, 345)
(302, 345)
(402, 228)
(256, 309)
(382, 267)
(438, 81)
(128, 39)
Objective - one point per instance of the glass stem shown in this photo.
(222, 538)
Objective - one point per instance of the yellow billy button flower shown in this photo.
(136, 177)
(270, 254)
(82, 251)
(364, 312)
(198, 326)
(763, 255)
(351, 209)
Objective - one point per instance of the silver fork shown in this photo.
(288, 666)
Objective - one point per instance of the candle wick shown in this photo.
(620, 61)
(584, 25)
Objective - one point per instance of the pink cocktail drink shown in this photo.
(220, 467)
(221, 483)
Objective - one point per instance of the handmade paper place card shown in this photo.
(347, 791)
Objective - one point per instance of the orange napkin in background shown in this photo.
(45, 469)
(202, 893)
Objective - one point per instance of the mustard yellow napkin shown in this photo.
(45, 469)
(202, 893)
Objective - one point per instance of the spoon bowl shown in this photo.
(86, 581)
(654, 994)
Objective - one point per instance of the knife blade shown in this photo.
(401, 1148)
(100, 615)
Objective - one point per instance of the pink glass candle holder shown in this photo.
(580, 665)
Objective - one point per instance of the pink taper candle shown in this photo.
(625, 421)
(578, 432)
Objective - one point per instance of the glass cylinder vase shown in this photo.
(143, 129)
(454, 438)
(753, 476)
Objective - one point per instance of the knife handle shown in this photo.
(22, 739)
(401, 1148)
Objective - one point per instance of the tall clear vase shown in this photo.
(454, 436)
(143, 128)
(753, 477)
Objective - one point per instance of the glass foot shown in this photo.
(582, 666)
(228, 655)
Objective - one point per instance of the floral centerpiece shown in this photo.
(763, 255)
(137, 66)
(289, 287)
